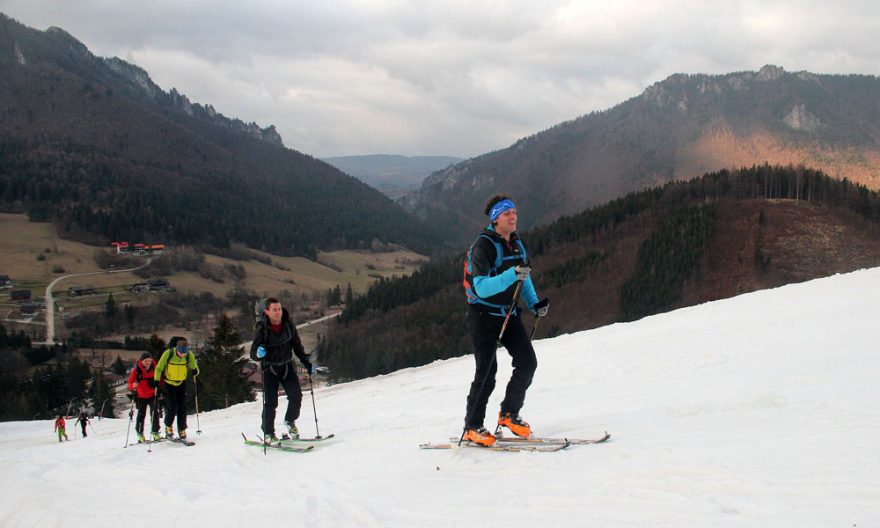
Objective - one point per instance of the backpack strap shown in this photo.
(499, 261)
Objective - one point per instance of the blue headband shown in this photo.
(499, 208)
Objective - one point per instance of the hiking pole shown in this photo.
(196, 385)
(263, 417)
(534, 328)
(495, 353)
(130, 419)
(154, 417)
(537, 318)
(317, 432)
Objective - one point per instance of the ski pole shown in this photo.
(196, 385)
(494, 354)
(534, 328)
(130, 419)
(154, 417)
(314, 410)
(263, 417)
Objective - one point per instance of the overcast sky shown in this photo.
(450, 77)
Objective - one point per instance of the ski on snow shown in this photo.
(277, 445)
(174, 440)
(546, 440)
(148, 442)
(535, 443)
(289, 439)
(545, 448)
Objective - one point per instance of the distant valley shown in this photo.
(394, 175)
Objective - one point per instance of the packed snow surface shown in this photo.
(760, 410)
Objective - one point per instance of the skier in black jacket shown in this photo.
(275, 342)
(497, 262)
(83, 421)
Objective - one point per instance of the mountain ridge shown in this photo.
(677, 129)
(94, 146)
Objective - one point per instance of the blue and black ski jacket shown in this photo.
(489, 275)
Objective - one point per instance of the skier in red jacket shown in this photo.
(59, 427)
(141, 380)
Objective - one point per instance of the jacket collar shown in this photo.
(488, 230)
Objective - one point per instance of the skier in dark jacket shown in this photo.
(275, 342)
(83, 421)
(497, 263)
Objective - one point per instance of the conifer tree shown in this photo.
(222, 381)
(110, 307)
(349, 296)
(156, 346)
(118, 367)
(103, 396)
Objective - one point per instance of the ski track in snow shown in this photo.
(760, 410)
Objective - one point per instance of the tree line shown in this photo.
(94, 196)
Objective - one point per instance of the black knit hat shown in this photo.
(146, 355)
(173, 341)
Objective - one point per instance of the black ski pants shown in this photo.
(484, 336)
(284, 375)
(175, 405)
(142, 405)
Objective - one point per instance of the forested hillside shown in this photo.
(96, 147)
(683, 243)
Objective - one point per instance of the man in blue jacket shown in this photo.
(497, 263)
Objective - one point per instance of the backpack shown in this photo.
(499, 261)
(259, 315)
(259, 309)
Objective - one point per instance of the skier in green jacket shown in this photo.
(172, 372)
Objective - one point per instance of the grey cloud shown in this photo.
(448, 77)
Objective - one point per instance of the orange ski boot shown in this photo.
(480, 436)
(516, 424)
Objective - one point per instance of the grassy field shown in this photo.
(31, 250)
(33, 255)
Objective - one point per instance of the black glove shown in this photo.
(308, 365)
(541, 307)
(152, 383)
(131, 395)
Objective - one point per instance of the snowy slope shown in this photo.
(761, 410)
